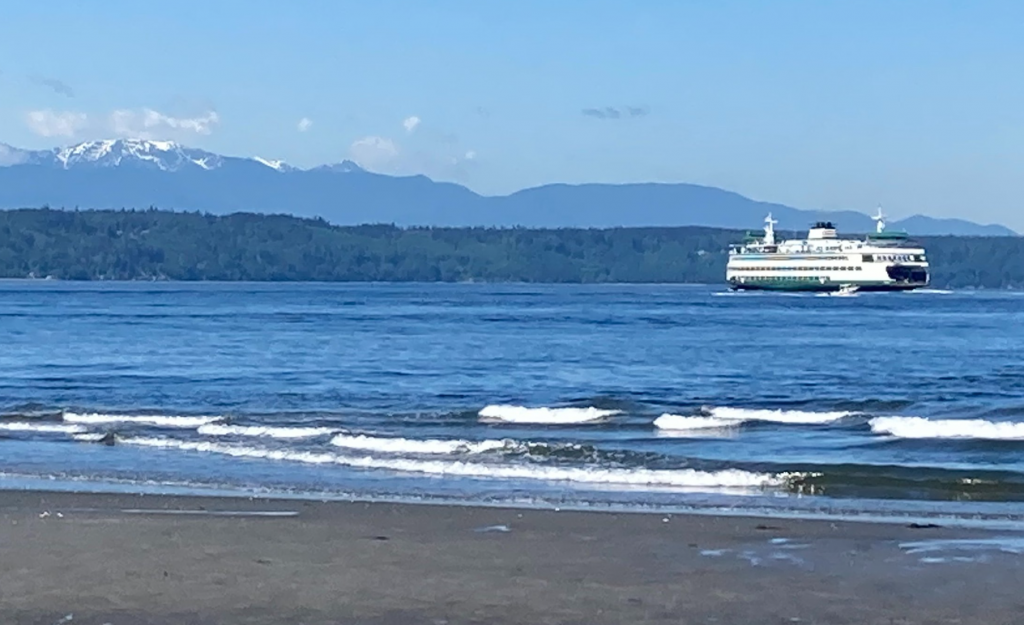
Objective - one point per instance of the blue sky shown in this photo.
(918, 105)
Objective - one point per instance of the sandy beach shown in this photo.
(122, 559)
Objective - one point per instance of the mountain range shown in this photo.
(131, 173)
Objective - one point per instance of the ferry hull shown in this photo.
(819, 287)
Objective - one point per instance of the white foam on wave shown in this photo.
(90, 437)
(682, 423)
(550, 416)
(729, 478)
(419, 446)
(42, 428)
(216, 429)
(777, 416)
(838, 294)
(919, 427)
(163, 421)
(680, 478)
(238, 451)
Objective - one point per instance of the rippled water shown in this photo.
(636, 396)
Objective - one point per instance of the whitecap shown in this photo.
(683, 423)
(215, 429)
(919, 427)
(42, 428)
(680, 478)
(90, 437)
(418, 446)
(163, 421)
(777, 416)
(237, 451)
(551, 416)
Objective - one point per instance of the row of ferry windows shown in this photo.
(883, 258)
(840, 268)
(785, 278)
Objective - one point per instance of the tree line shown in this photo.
(165, 245)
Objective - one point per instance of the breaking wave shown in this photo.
(43, 428)
(682, 423)
(776, 416)
(919, 427)
(679, 478)
(90, 437)
(215, 429)
(550, 416)
(412, 446)
(162, 421)
(717, 418)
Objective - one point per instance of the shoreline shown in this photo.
(167, 559)
(722, 284)
(843, 510)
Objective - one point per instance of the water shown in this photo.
(632, 397)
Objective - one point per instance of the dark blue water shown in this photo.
(635, 396)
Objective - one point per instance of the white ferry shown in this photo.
(883, 261)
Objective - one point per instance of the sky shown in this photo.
(917, 105)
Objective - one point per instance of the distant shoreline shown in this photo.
(158, 245)
(723, 286)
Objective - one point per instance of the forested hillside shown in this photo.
(152, 244)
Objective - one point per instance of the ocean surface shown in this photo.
(616, 396)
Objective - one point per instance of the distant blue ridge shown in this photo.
(139, 174)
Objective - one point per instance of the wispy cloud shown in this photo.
(611, 112)
(605, 113)
(147, 123)
(424, 150)
(374, 153)
(304, 124)
(386, 156)
(410, 123)
(58, 86)
(48, 123)
(11, 156)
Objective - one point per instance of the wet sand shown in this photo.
(126, 559)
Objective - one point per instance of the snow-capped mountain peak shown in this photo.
(163, 155)
(273, 164)
(142, 153)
